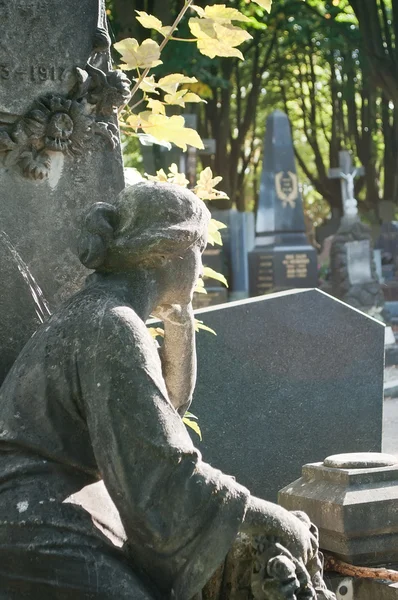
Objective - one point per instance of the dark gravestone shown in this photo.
(282, 257)
(52, 162)
(289, 379)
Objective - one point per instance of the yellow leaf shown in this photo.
(218, 224)
(193, 425)
(206, 184)
(149, 85)
(135, 56)
(222, 14)
(200, 88)
(148, 21)
(171, 129)
(231, 35)
(170, 83)
(151, 22)
(156, 332)
(156, 106)
(200, 287)
(215, 39)
(264, 4)
(160, 176)
(177, 98)
(208, 272)
(191, 97)
(201, 325)
(136, 121)
(214, 236)
(177, 178)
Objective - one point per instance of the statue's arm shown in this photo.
(180, 515)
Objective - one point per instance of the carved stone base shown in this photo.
(366, 294)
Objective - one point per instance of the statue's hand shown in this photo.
(176, 314)
(264, 518)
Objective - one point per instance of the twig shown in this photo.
(339, 566)
(162, 45)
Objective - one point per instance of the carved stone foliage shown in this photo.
(64, 124)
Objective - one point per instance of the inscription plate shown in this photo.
(261, 273)
(358, 262)
(40, 48)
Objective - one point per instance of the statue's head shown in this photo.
(155, 226)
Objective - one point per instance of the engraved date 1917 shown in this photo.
(33, 73)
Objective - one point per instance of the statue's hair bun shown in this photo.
(98, 231)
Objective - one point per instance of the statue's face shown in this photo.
(180, 275)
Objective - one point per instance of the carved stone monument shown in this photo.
(59, 151)
(353, 270)
(90, 398)
(282, 257)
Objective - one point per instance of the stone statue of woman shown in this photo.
(90, 398)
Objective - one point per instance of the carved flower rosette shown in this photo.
(61, 124)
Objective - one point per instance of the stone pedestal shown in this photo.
(353, 499)
(353, 269)
(284, 266)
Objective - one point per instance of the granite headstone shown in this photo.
(59, 152)
(282, 257)
(290, 378)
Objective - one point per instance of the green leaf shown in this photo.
(193, 425)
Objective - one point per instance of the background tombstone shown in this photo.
(282, 257)
(289, 379)
(53, 165)
(353, 270)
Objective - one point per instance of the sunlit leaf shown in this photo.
(156, 106)
(172, 129)
(151, 22)
(206, 184)
(149, 85)
(216, 39)
(136, 121)
(160, 176)
(149, 140)
(264, 4)
(200, 88)
(176, 177)
(156, 332)
(190, 415)
(170, 83)
(193, 425)
(191, 97)
(177, 98)
(220, 13)
(214, 236)
(200, 287)
(200, 325)
(136, 56)
(208, 272)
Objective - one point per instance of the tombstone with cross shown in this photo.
(353, 270)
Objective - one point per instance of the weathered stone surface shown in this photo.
(41, 43)
(289, 379)
(353, 270)
(353, 503)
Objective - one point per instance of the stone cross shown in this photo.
(347, 174)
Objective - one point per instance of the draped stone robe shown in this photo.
(86, 401)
